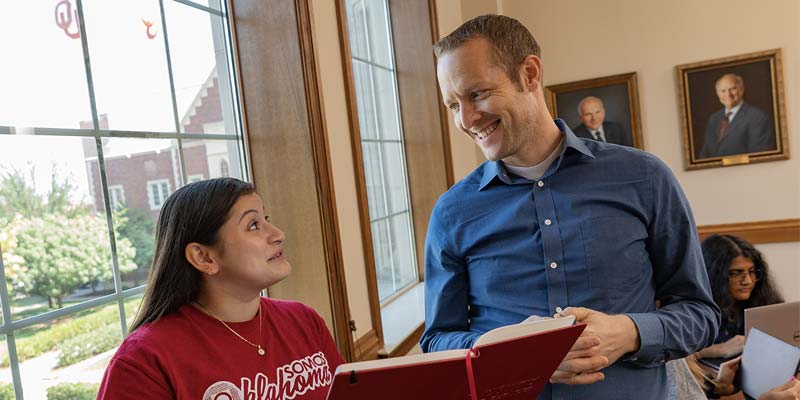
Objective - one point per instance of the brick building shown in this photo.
(144, 179)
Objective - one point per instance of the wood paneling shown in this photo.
(289, 152)
(420, 109)
(759, 232)
(366, 347)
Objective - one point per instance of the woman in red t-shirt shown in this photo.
(203, 330)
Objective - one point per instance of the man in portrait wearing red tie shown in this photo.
(592, 113)
(739, 128)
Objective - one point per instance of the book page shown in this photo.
(528, 327)
(402, 361)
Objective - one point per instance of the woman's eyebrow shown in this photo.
(244, 214)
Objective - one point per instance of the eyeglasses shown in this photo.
(754, 273)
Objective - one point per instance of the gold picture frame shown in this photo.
(756, 126)
(619, 95)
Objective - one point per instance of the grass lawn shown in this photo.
(41, 338)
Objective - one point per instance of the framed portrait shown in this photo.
(605, 109)
(732, 110)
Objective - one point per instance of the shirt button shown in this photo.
(553, 265)
(540, 183)
(559, 309)
(548, 222)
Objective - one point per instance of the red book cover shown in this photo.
(508, 363)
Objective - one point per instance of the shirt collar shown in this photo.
(734, 110)
(496, 169)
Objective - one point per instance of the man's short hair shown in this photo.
(511, 41)
(739, 80)
(587, 98)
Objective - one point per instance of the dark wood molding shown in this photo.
(758, 232)
(358, 171)
(325, 189)
(420, 108)
(427, 147)
(289, 154)
(444, 114)
(367, 346)
(408, 343)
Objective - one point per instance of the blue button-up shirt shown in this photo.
(607, 227)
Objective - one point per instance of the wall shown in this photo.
(587, 39)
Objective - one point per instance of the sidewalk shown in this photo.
(39, 373)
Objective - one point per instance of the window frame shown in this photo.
(427, 148)
(374, 65)
(194, 178)
(155, 189)
(117, 201)
(228, 87)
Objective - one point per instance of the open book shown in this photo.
(511, 362)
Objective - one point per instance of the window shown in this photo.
(103, 120)
(224, 168)
(195, 178)
(116, 196)
(382, 145)
(157, 192)
(401, 153)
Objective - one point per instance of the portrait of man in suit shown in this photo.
(592, 114)
(738, 127)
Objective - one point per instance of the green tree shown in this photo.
(140, 229)
(18, 197)
(53, 255)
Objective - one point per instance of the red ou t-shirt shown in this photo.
(190, 355)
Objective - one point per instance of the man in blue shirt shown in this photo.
(554, 224)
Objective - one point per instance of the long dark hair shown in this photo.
(718, 252)
(194, 213)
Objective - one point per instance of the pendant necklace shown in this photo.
(258, 347)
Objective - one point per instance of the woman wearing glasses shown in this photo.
(739, 279)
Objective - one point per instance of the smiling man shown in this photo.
(738, 128)
(556, 224)
(592, 113)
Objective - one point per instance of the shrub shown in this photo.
(88, 344)
(7, 392)
(73, 391)
(49, 339)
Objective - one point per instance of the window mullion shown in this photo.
(11, 343)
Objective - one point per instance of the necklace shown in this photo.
(261, 351)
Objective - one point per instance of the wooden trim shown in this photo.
(421, 140)
(358, 171)
(367, 346)
(758, 232)
(420, 111)
(325, 190)
(276, 56)
(406, 345)
(444, 114)
(234, 43)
